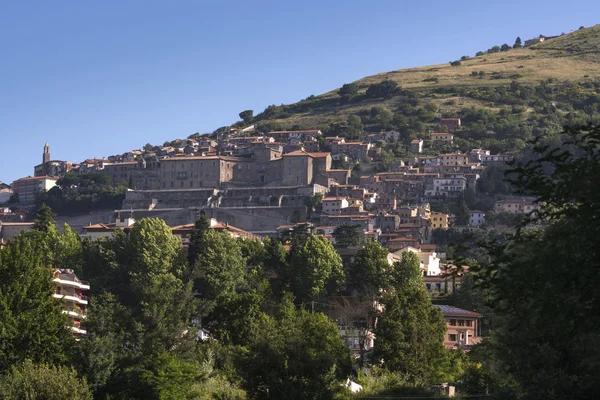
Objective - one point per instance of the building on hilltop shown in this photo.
(27, 188)
(69, 289)
(50, 167)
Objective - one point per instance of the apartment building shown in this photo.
(463, 327)
(69, 289)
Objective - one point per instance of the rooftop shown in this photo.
(451, 310)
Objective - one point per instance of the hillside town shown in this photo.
(426, 232)
(254, 186)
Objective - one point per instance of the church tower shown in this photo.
(46, 156)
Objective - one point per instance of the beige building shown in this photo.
(28, 188)
(463, 327)
(297, 168)
(454, 160)
(438, 220)
(441, 138)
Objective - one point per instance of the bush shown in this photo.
(40, 381)
(455, 63)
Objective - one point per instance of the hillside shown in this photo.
(486, 91)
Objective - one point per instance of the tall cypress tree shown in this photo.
(410, 335)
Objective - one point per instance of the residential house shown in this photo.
(451, 188)
(454, 159)
(429, 262)
(356, 150)
(441, 138)
(450, 123)
(463, 327)
(439, 220)
(281, 136)
(476, 155)
(334, 205)
(416, 146)
(476, 218)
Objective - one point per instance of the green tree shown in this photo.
(41, 381)
(409, 338)
(505, 47)
(247, 116)
(312, 202)
(560, 357)
(347, 236)
(518, 43)
(369, 271)
(31, 323)
(44, 219)
(201, 227)
(165, 377)
(386, 89)
(348, 89)
(220, 267)
(297, 355)
(462, 214)
(316, 269)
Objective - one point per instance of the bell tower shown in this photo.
(46, 156)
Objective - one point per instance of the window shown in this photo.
(452, 322)
(191, 183)
(171, 184)
(461, 322)
(462, 336)
(181, 183)
(214, 163)
(469, 322)
(452, 337)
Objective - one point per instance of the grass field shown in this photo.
(571, 57)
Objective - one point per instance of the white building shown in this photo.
(334, 205)
(429, 261)
(69, 289)
(476, 218)
(447, 187)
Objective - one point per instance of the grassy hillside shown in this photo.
(490, 89)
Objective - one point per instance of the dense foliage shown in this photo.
(78, 193)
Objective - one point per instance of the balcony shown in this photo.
(83, 285)
(79, 299)
(75, 312)
(76, 329)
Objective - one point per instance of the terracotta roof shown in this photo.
(36, 178)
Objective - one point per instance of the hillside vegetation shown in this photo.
(499, 95)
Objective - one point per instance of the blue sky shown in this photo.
(104, 77)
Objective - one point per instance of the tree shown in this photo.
(347, 235)
(31, 322)
(462, 214)
(505, 47)
(41, 381)
(386, 89)
(348, 89)
(220, 267)
(316, 269)
(561, 308)
(312, 202)
(455, 63)
(247, 116)
(44, 219)
(296, 355)
(148, 147)
(409, 338)
(518, 43)
(201, 227)
(369, 271)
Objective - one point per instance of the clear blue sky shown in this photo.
(96, 78)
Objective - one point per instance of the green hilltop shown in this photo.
(502, 97)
